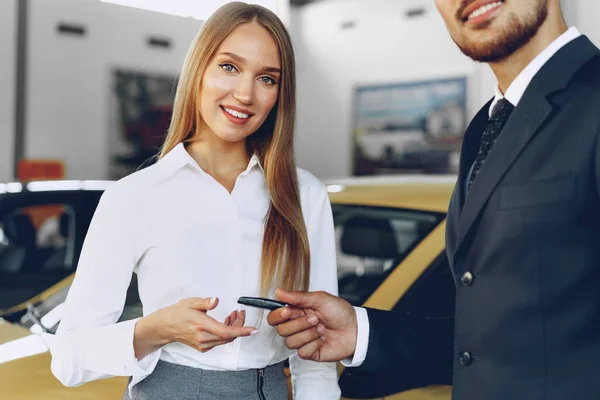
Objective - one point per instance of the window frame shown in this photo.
(439, 218)
(80, 202)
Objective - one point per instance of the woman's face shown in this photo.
(240, 84)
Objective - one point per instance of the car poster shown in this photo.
(411, 127)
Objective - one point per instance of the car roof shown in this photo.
(417, 192)
(9, 188)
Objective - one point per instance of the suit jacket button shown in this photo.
(465, 358)
(467, 279)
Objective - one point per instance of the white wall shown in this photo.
(69, 78)
(8, 39)
(586, 18)
(384, 46)
(569, 8)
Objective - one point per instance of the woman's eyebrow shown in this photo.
(244, 61)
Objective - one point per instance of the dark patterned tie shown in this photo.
(500, 114)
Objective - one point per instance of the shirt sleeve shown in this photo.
(312, 380)
(362, 339)
(89, 343)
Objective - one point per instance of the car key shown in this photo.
(261, 303)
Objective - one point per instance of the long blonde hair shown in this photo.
(285, 260)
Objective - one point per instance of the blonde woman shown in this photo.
(224, 213)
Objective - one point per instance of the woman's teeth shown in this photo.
(236, 114)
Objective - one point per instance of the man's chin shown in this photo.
(486, 52)
(501, 38)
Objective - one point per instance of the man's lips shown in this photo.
(479, 9)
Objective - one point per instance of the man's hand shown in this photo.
(321, 326)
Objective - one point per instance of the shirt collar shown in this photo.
(178, 158)
(254, 162)
(517, 88)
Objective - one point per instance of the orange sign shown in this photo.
(34, 170)
(41, 170)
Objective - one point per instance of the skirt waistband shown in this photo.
(174, 381)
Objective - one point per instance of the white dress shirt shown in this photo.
(186, 236)
(513, 94)
(517, 88)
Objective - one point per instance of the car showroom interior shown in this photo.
(166, 165)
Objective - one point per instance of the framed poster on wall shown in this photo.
(408, 127)
(141, 108)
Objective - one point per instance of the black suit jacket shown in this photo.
(527, 325)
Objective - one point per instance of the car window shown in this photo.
(371, 242)
(428, 307)
(37, 238)
(37, 247)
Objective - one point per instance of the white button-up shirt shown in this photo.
(517, 88)
(186, 236)
(514, 93)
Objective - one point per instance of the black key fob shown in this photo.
(261, 303)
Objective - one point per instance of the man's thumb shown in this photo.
(203, 304)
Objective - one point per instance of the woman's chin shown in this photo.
(233, 137)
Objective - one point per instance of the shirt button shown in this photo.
(467, 279)
(465, 358)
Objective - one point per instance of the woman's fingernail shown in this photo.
(254, 333)
(212, 301)
(313, 319)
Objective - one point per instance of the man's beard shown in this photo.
(510, 39)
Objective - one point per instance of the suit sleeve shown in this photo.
(416, 348)
(392, 340)
(597, 161)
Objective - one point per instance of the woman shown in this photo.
(224, 213)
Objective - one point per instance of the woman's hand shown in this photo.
(187, 322)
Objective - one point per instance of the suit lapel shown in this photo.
(528, 118)
(521, 127)
(468, 152)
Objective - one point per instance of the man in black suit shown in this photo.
(523, 227)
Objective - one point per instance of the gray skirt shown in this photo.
(172, 381)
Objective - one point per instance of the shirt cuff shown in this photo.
(362, 339)
(118, 357)
(139, 369)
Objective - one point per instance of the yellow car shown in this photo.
(390, 255)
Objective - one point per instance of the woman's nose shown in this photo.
(244, 92)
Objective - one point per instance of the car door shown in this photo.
(420, 283)
(40, 240)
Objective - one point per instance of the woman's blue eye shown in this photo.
(268, 80)
(227, 67)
